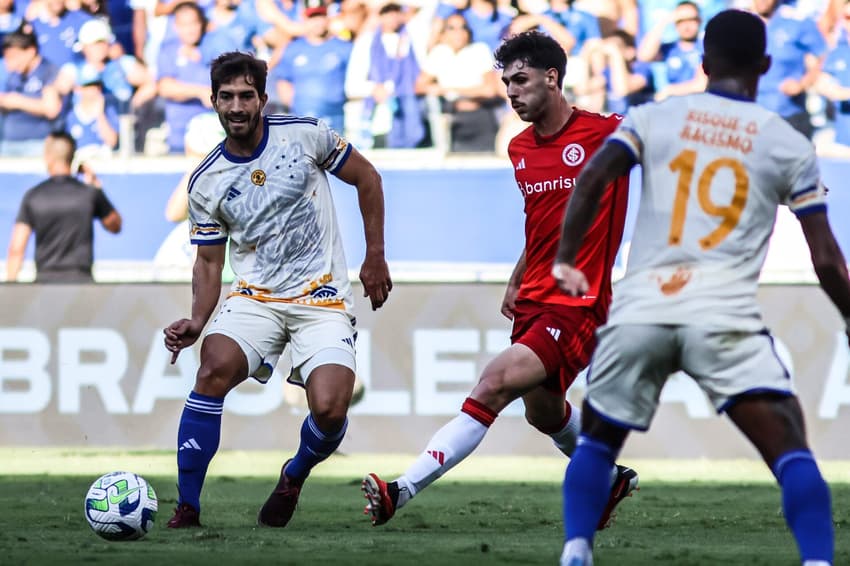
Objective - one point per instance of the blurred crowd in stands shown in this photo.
(133, 75)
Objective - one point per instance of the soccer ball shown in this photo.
(121, 506)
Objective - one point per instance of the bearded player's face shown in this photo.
(528, 89)
(239, 108)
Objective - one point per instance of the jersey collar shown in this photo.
(257, 152)
(542, 140)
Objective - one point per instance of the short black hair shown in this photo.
(690, 3)
(233, 64)
(193, 6)
(391, 7)
(20, 39)
(536, 50)
(624, 36)
(736, 40)
(67, 153)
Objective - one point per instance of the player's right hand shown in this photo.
(509, 301)
(570, 279)
(181, 334)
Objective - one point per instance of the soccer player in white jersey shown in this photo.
(265, 188)
(715, 168)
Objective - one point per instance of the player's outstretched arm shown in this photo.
(828, 261)
(611, 161)
(206, 289)
(374, 273)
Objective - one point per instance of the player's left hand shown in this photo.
(570, 280)
(375, 276)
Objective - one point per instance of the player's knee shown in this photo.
(329, 417)
(494, 389)
(215, 378)
(540, 421)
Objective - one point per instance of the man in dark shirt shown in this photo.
(60, 211)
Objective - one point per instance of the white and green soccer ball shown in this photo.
(121, 506)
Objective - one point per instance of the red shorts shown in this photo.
(563, 337)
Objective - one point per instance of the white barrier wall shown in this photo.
(85, 366)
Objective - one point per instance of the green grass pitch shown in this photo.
(490, 510)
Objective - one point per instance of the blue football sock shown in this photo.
(806, 504)
(197, 443)
(315, 447)
(587, 486)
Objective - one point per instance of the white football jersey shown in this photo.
(277, 210)
(715, 168)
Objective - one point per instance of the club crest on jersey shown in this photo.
(573, 154)
(258, 177)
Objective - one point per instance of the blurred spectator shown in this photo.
(120, 77)
(148, 31)
(613, 15)
(626, 81)
(176, 252)
(93, 118)
(9, 20)
(60, 211)
(461, 73)
(57, 29)
(29, 109)
(653, 12)
(278, 21)
(682, 58)
(310, 76)
(547, 22)
(834, 84)
(120, 19)
(350, 20)
(582, 26)
(228, 17)
(184, 72)
(392, 109)
(827, 14)
(796, 47)
(489, 24)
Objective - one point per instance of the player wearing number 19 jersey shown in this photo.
(553, 335)
(715, 168)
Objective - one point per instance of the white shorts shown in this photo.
(315, 335)
(633, 361)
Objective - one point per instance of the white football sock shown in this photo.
(577, 551)
(447, 448)
(566, 438)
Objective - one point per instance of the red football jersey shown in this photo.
(546, 170)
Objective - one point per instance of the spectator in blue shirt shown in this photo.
(184, 71)
(834, 82)
(57, 28)
(278, 21)
(29, 108)
(228, 17)
(626, 81)
(571, 28)
(9, 20)
(310, 76)
(393, 109)
(487, 21)
(682, 58)
(796, 47)
(93, 119)
(583, 26)
(120, 77)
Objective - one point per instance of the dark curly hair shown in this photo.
(228, 66)
(536, 50)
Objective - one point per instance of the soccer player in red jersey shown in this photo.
(553, 334)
